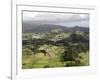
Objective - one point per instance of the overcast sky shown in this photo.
(65, 19)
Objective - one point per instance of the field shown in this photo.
(55, 48)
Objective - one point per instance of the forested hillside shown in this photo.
(58, 46)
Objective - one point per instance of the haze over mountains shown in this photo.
(47, 21)
(28, 28)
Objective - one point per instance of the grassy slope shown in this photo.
(39, 60)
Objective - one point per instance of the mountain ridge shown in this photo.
(49, 27)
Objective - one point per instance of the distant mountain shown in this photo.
(78, 28)
(29, 28)
(44, 28)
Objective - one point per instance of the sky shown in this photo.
(64, 19)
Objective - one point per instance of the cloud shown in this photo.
(56, 18)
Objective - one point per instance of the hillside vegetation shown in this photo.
(56, 48)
